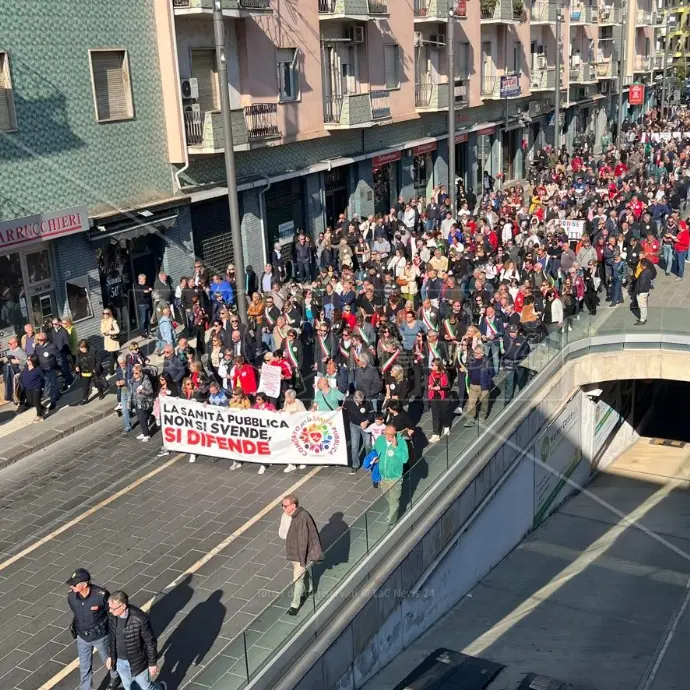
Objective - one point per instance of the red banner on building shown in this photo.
(424, 148)
(636, 94)
(392, 157)
(461, 138)
(487, 131)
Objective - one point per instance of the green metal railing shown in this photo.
(611, 329)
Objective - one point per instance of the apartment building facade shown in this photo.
(87, 199)
(111, 141)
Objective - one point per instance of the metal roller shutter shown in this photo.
(204, 69)
(110, 84)
(5, 119)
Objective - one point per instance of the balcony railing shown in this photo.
(609, 14)
(262, 121)
(543, 11)
(204, 130)
(658, 62)
(422, 94)
(380, 105)
(501, 11)
(644, 18)
(356, 110)
(490, 87)
(354, 8)
(543, 79)
(643, 64)
(438, 9)
(378, 6)
(583, 13)
(583, 73)
(606, 69)
(249, 5)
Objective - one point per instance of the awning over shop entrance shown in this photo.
(129, 230)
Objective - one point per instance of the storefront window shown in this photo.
(422, 167)
(12, 297)
(77, 290)
(38, 266)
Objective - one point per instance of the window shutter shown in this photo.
(285, 55)
(112, 91)
(391, 65)
(5, 120)
(204, 69)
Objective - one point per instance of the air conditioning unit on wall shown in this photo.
(418, 39)
(190, 88)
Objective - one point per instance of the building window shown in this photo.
(204, 70)
(7, 119)
(288, 74)
(112, 87)
(391, 58)
(462, 60)
(517, 57)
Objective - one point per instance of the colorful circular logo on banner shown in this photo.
(316, 436)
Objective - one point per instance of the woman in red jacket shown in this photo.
(243, 376)
(438, 387)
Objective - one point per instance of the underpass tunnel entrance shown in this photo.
(662, 409)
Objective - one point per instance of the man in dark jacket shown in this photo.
(302, 548)
(303, 258)
(48, 357)
(131, 644)
(480, 378)
(59, 336)
(89, 627)
(515, 349)
(368, 379)
(359, 413)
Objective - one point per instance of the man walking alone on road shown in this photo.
(131, 644)
(89, 604)
(302, 547)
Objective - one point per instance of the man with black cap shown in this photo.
(515, 349)
(89, 604)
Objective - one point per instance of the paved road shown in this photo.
(152, 518)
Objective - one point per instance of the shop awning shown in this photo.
(127, 230)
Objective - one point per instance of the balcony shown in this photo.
(491, 87)
(231, 8)
(583, 13)
(204, 131)
(543, 79)
(584, 73)
(357, 10)
(609, 15)
(543, 12)
(658, 62)
(498, 12)
(437, 10)
(261, 120)
(644, 18)
(351, 111)
(606, 69)
(643, 64)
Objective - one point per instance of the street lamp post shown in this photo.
(230, 169)
(667, 43)
(557, 109)
(450, 41)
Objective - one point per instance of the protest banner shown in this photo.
(310, 438)
(574, 228)
(270, 380)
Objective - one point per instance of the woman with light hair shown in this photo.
(396, 385)
(292, 405)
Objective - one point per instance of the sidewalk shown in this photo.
(20, 437)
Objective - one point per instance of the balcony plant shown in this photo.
(518, 9)
(488, 7)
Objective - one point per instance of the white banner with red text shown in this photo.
(309, 438)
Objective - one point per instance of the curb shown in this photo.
(45, 438)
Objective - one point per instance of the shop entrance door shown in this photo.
(337, 197)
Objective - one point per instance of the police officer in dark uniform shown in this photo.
(89, 604)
